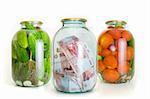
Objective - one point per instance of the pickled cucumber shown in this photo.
(14, 56)
(46, 40)
(21, 53)
(24, 68)
(22, 38)
(47, 70)
(32, 43)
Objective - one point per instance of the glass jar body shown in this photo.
(116, 55)
(74, 57)
(31, 57)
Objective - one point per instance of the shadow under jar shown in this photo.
(115, 51)
(74, 57)
(31, 55)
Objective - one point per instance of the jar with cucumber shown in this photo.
(31, 61)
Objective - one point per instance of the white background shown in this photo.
(135, 12)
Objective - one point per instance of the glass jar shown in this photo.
(74, 57)
(116, 53)
(31, 55)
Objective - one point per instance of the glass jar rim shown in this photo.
(114, 22)
(74, 19)
(31, 22)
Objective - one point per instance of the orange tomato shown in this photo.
(124, 69)
(110, 62)
(115, 54)
(127, 35)
(99, 50)
(115, 33)
(110, 75)
(101, 66)
(105, 40)
(130, 53)
(105, 52)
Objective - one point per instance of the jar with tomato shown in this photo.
(115, 60)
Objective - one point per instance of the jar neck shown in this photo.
(73, 23)
(115, 24)
(31, 25)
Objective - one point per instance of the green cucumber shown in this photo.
(32, 44)
(22, 38)
(47, 65)
(14, 56)
(47, 69)
(46, 40)
(21, 53)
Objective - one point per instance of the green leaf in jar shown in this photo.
(38, 35)
(21, 53)
(29, 25)
(100, 57)
(132, 67)
(22, 38)
(131, 42)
